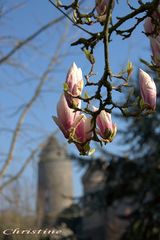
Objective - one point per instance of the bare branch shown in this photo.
(74, 23)
(28, 106)
(12, 8)
(19, 173)
(30, 38)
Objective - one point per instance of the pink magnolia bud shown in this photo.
(151, 24)
(107, 130)
(147, 89)
(84, 130)
(101, 6)
(74, 84)
(148, 26)
(155, 46)
(83, 133)
(66, 116)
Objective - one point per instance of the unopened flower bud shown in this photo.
(155, 46)
(148, 26)
(152, 23)
(65, 116)
(147, 89)
(83, 134)
(106, 129)
(74, 85)
(101, 6)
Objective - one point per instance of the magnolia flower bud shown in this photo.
(147, 89)
(83, 134)
(101, 6)
(148, 26)
(151, 24)
(155, 46)
(66, 116)
(73, 85)
(84, 129)
(107, 130)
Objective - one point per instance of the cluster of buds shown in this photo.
(148, 91)
(75, 126)
(152, 29)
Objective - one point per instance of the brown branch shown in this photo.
(106, 38)
(150, 7)
(67, 16)
(92, 41)
(107, 71)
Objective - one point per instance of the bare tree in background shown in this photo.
(22, 139)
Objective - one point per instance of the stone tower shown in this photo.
(54, 182)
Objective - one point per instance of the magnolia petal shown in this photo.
(74, 81)
(65, 133)
(65, 114)
(84, 129)
(101, 6)
(147, 89)
(148, 26)
(104, 122)
(155, 46)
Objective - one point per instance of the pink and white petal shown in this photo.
(80, 131)
(100, 123)
(61, 127)
(88, 128)
(65, 114)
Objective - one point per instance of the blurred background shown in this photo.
(43, 181)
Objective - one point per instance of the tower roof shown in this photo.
(52, 148)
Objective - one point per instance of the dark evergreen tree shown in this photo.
(139, 179)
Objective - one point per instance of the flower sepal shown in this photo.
(85, 149)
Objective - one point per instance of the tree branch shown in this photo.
(27, 107)
(74, 23)
(30, 38)
(22, 169)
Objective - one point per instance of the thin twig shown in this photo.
(66, 15)
(30, 38)
(26, 109)
(22, 169)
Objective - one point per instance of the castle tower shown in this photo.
(54, 182)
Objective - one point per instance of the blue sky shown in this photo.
(20, 24)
